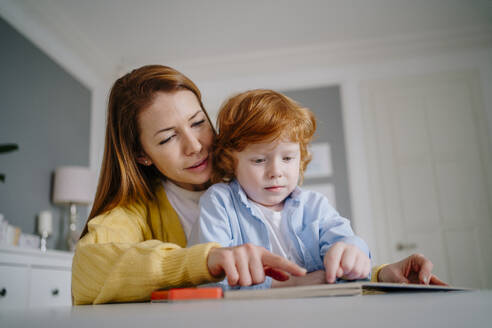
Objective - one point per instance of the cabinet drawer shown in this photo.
(49, 287)
(14, 282)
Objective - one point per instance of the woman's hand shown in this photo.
(247, 265)
(346, 261)
(415, 269)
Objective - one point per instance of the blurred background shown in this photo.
(402, 91)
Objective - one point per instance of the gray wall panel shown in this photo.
(325, 102)
(47, 113)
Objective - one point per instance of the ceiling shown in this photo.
(113, 35)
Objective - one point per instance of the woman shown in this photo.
(156, 165)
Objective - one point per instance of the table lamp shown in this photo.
(73, 185)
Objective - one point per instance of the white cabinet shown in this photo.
(13, 286)
(49, 287)
(32, 279)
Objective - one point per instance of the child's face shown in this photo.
(268, 172)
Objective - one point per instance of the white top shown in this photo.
(185, 203)
(280, 245)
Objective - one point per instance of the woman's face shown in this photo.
(176, 138)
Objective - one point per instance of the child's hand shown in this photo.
(347, 261)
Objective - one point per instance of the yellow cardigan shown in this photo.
(133, 250)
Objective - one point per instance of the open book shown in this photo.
(341, 289)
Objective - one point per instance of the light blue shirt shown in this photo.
(311, 224)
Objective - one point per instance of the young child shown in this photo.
(260, 155)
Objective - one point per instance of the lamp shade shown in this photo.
(74, 184)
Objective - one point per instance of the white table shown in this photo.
(414, 310)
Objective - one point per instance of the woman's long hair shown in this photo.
(122, 180)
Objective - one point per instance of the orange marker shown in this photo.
(186, 294)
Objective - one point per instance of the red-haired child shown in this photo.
(260, 154)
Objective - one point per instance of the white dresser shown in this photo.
(30, 278)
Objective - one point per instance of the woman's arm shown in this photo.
(118, 261)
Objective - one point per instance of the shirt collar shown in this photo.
(238, 190)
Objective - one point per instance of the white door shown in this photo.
(430, 173)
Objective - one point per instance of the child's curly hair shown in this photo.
(259, 116)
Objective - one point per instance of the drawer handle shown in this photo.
(55, 292)
(3, 292)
